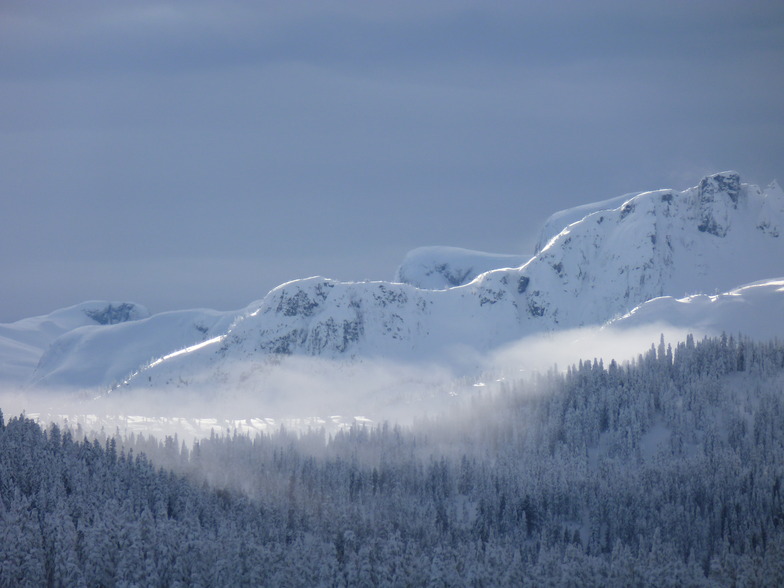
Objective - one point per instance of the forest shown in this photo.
(663, 471)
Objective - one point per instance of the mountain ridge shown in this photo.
(657, 243)
(706, 239)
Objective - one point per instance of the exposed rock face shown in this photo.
(114, 313)
(718, 195)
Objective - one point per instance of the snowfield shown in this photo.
(755, 309)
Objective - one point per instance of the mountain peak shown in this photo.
(727, 182)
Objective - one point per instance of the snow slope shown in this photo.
(755, 310)
(438, 268)
(96, 356)
(706, 239)
(563, 218)
(23, 342)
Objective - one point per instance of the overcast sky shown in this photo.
(197, 154)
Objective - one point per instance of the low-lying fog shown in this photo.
(303, 392)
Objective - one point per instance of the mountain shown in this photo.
(707, 239)
(23, 342)
(98, 356)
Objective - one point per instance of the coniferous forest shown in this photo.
(666, 471)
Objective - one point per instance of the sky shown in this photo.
(199, 153)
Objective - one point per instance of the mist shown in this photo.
(544, 351)
(254, 397)
(301, 393)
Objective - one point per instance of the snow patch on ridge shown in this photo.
(438, 268)
(755, 310)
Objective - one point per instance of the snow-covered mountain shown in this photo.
(23, 342)
(93, 355)
(706, 239)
